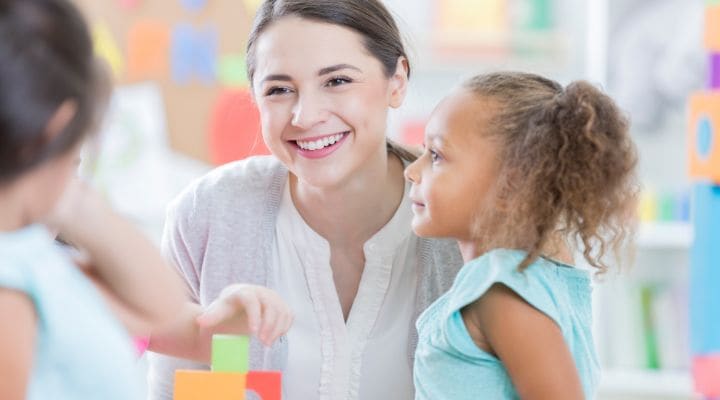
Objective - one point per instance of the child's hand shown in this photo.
(79, 213)
(249, 309)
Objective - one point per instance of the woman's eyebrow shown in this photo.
(337, 67)
(276, 77)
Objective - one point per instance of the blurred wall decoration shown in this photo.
(194, 51)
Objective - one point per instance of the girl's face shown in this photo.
(323, 99)
(456, 174)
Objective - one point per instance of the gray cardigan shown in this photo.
(220, 230)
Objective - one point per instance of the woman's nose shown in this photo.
(308, 111)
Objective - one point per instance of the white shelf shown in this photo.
(647, 384)
(665, 235)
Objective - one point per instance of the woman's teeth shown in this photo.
(320, 143)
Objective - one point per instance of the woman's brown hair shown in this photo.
(567, 167)
(369, 18)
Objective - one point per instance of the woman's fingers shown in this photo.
(215, 313)
(267, 315)
(251, 303)
(275, 319)
(232, 302)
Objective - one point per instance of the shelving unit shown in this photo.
(662, 253)
(665, 235)
(646, 384)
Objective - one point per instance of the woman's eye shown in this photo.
(274, 91)
(337, 81)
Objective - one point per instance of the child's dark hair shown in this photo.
(567, 167)
(46, 58)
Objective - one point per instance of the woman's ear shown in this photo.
(399, 82)
(60, 119)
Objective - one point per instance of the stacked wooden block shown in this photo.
(229, 377)
(704, 157)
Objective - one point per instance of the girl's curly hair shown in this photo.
(567, 167)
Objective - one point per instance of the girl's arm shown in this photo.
(239, 309)
(527, 341)
(17, 342)
(121, 257)
(148, 295)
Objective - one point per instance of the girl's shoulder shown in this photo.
(542, 284)
(26, 252)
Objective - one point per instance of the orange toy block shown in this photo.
(712, 28)
(267, 384)
(209, 385)
(703, 131)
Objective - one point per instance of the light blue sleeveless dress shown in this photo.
(81, 352)
(448, 364)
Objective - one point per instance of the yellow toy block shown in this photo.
(703, 131)
(712, 28)
(209, 385)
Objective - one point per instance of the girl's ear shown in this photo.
(399, 82)
(60, 119)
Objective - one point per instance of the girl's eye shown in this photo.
(337, 81)
(434, 156)
(277, 90)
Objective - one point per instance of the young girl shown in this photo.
(518, 168)
(58, 339)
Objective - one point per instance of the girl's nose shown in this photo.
(411, 172)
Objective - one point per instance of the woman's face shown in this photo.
(323, 99)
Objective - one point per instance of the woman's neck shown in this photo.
(351, 213)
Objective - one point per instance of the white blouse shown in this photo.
(365, 358)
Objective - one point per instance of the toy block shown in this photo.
(703, 146)
(209, 385)
(714, 71)
(267, 384)
(706, 371)
(712, 28)
(705, 270)
(230, 353)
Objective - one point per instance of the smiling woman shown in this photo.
(323, 223)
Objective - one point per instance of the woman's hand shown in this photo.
(252, 309)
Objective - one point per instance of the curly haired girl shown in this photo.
(522, 172)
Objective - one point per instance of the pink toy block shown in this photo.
(706, 371)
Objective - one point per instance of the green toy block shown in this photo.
(230, 353)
